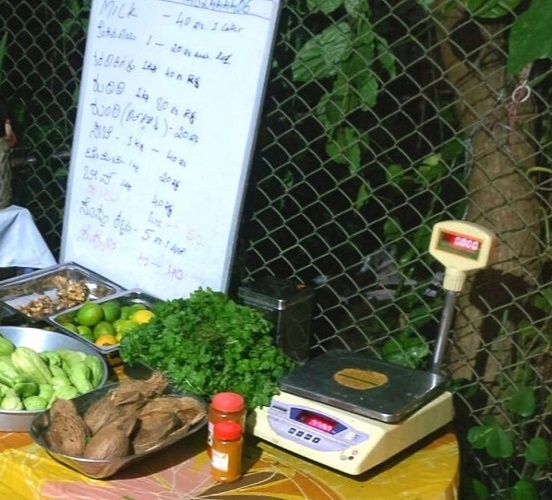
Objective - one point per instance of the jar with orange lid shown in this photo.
(224, 407)
(226, 452)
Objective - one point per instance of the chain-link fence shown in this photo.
(381, 119)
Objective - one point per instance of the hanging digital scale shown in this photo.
(351, 412)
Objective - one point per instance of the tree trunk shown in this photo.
(500, 194)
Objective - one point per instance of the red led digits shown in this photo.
(460, 243)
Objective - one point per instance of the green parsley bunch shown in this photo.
(208, 343)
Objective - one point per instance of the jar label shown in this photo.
(219, 460)
(210, 427)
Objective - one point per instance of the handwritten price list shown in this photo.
(168, 111)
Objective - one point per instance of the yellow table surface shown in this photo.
(429, 470)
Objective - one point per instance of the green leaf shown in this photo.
(334, 106)
(499, 444)
(530, 36)
(3, 44)
(548, 404)
(325, 6)
(478, 436)
(491, 9)
(543, 300)
(357, 69)
(538, 452)
(491, 437)
(363, 195)
(357, 7)
(392, 229)
(479, 489)
(385, 56)
(394, 173)
(368, 90)
(426, 4)
(405, 350)
(523, 402)
(321, 55)
(432, 169)
(524, 489)
(344, 148)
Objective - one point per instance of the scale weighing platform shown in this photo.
(352, 412)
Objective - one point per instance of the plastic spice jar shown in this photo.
(226, 452)
(224, 407)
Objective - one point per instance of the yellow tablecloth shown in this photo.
(427, 471)
(183, 472)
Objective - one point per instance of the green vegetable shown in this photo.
(7, 370)
(35, 403)
(51, 358)
(208, 343)
(6, 346)
(96, 370)
(24, 387)
(28, 362)
(75, 367)
(67, 392)
(11, 402)
(46, 391)
(60, 382)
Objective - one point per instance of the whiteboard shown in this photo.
(169, 104)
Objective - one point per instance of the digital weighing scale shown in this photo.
(351, 412)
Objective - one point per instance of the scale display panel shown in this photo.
(465, 246)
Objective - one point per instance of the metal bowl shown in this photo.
(39, 340)
(101, 469)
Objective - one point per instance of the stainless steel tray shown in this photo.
(126, 297)
(19, 292)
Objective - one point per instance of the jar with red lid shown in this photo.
(224, 407)
(226, 452)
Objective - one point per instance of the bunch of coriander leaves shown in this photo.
(208, 343)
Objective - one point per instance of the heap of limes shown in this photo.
(105, 323)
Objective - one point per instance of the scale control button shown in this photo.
(292, 430)
(316, 440)
(300, 433)
(308, 437)
(350, 435)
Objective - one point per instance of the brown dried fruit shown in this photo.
(136, 390)
(164, 417)
(67, 432)
(126, 399)
(188, 410)
(112, 440)
(103, 411)
(154, 429)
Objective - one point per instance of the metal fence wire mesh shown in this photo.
(381, 119)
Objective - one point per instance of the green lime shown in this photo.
(122, 326)
(85, 332)
(70, 326)
(90, 314)
(125, 312)
(66, 318)
(111, 310)
(138, 306)
(103, 328)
